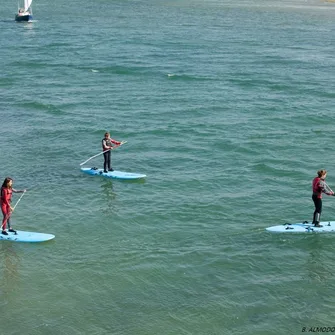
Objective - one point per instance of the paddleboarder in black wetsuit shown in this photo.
(319, 186)
(107, 144)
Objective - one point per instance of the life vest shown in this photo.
(108, 143)
(318, 187)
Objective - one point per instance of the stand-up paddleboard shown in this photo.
(113, 174)
(303, 227)
(26, 236)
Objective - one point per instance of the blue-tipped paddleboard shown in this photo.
(26, 236)
(303, 227)
(113, 174)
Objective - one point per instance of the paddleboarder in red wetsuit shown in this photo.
(5, 200)
(319, 186)
(107, 144)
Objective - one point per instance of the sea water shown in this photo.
(227, 107)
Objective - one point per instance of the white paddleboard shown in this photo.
(113, 174)
(26, 236)
(303, 227)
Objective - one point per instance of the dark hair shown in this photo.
(107, 133)
(321, 173)
(6, 181)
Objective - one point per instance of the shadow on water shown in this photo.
(109, 196)
(108, 190)
(9, 263)
(319, 250)
(313, 251)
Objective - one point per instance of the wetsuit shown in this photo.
(319, 187)
(107, 144)
(5, 200)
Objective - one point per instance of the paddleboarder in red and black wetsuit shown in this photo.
(107, 144)
(5, 200)
(319, 186)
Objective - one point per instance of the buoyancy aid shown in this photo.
(318, 187)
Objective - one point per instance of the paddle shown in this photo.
(100, 153)
(18, 201)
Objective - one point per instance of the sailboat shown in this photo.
(24, 13)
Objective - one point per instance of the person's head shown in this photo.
(322, 174)
(107, 135)
(8, 182)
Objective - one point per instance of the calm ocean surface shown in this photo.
(227, 107)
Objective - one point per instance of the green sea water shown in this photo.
(227, 107)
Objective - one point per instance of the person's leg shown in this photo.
(10, 229)
(318, 210)
(4, 222)
(106, 161)
(315, 200)
(109, 160)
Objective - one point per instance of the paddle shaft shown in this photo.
(327, 188)
(18, 201)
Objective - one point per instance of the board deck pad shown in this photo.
(26, 236)
(113, 174)
(303, 227)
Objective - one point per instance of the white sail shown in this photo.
(27, 4)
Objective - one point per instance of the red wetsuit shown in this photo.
(5, 199)
(318, 186)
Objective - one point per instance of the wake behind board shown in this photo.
(303, 227)
(113, 174)
(26, 236)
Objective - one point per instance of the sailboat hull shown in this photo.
(23, 18)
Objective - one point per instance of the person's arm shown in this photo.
(19, 191)
(115, 142)
(325, 188)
